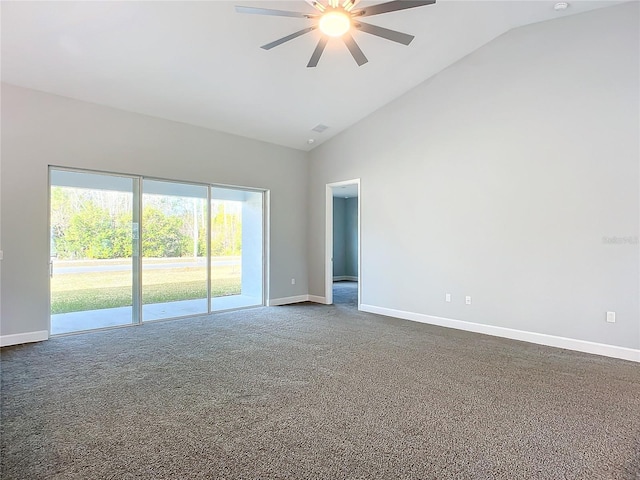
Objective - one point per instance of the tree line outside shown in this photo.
(97, 224)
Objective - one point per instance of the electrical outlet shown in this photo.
(293, 281)
(467, 300)
(611, 317)
(447, 297)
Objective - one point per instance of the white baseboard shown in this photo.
(287, 300)
(297, 299)
(342, 278)
(531, 337)
(18, 338)
(317, 299)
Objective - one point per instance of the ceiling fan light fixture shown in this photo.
(335, 23)
(336, 18)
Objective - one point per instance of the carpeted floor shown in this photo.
(313, 391)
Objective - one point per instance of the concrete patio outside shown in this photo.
(62, 323)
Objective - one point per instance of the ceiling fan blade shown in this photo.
(392, 35)
(278, 13)
(280, 41)
(353, 47)
(391, 7)
(318, 51)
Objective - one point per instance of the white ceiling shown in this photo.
(200, 62)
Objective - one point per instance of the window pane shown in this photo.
(236, 248)
(91, 251)
(174, 236)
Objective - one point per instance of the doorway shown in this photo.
(342, 263)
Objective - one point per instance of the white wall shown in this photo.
(39, 129)
(502, 178)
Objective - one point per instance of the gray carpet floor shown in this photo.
(312, 391)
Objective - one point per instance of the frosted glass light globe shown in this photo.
(335, 23)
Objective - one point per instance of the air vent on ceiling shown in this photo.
(319, 128)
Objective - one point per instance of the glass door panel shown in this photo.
(126, 249)
(236, 248)
(92, 245)
(174, 249)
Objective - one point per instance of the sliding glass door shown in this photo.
(92, 245)
(174, 249)
(236, 248)
(126, 249)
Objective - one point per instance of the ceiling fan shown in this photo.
(338, 21)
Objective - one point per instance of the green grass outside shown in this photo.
(94, 291)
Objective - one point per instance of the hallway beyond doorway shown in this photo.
(345, 293)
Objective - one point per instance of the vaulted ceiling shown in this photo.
(201, 63)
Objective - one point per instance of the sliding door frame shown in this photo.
(136, 316)
(137, 225)
(265, 241)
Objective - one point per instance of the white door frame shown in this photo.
(328, 242)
